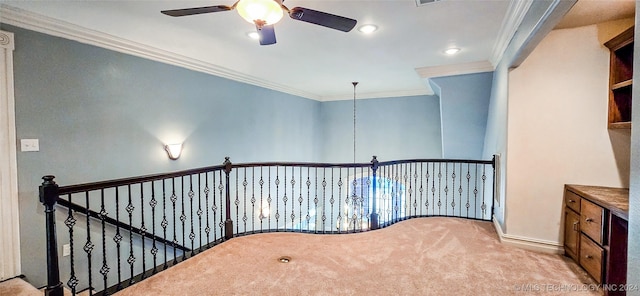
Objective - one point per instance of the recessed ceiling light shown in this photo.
(368, 29)
(253, 35)
(452, 51)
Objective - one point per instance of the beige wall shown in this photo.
(557, 130)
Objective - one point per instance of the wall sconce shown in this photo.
(173, 150)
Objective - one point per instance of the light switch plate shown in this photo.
(29, 145)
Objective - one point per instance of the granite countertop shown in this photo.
(615, 200)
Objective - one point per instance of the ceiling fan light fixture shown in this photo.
(266, 12)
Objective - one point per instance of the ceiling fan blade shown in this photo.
(267, 35)
(196, 10)
(322, 18)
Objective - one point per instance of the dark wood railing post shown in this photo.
(374, 208)
(48, 197)
(228, 223)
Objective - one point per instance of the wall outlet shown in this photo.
(66, 250)
(27, 145)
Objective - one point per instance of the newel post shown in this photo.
(228, 223)
(374, 208)
(48, 197)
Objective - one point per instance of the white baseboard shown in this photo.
(528, 243)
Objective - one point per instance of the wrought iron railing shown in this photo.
(122, 231)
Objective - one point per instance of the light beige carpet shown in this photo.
(17, 286)
(426, 256)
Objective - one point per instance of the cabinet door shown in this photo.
(571, 233)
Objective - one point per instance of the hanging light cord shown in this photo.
(354, 121)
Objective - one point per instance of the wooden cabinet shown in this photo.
(595, 231)
(620, 79)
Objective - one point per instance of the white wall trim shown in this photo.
(528, 243)
(39, 23)
(9, 211)
(512, 20)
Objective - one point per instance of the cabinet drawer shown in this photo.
(591, 220)
(591, 258)
(572, 200)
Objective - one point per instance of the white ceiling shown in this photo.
(307, 60)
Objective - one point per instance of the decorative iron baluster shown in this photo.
(315, 199)
(309, 198)
(214, 207)
(192, 234)
(253, 200)
(439, 187)
(88, 246)
(339, 218)
(284, 198)
(70, 222)
(468, 205)
(183, 217)
(164, 222)
(199, 212)
(277, 183)
(269, 199)
(421, 189)
(174, 199)
(207, 228)
(261, 216)
(293, 194)
(398, 193)
(446, 187)
(143, 230)
(484, 178)
(244, 202)
(154, 249)
(413, 169)
(103, 215)
(132, 259)
(460, 190)
(324, 199)
(475, 194)
(236, 202)
(453, 186)
(118, 238)
(300, 199)
(331, 201)
(427, 175)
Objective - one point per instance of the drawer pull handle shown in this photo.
(589, 257)
(588, 220)
(575, 225)
(571, 201)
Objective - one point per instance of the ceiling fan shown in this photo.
(265, 13)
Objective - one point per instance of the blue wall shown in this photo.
(390, 128)
(464, 104)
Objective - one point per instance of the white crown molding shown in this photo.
(36, 22)
(378, 95)
(455, 69)
(528, 243)
(512, 20)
